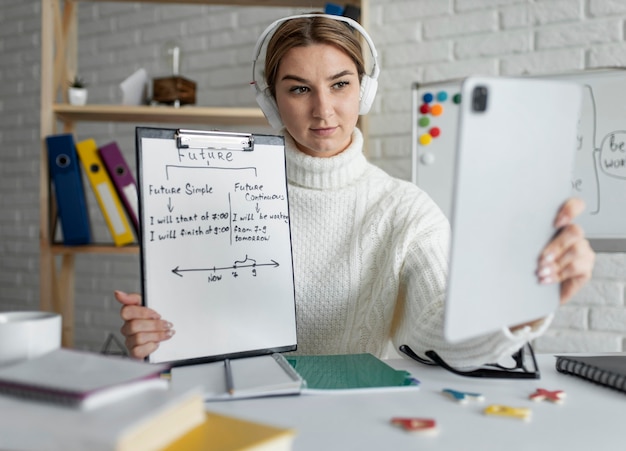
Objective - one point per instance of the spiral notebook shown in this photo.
(608, 370)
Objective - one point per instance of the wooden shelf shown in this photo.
(308, 4)
(160, 114)
(60, 249)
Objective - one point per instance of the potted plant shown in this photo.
(77, 91)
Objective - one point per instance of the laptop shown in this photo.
(516, 147)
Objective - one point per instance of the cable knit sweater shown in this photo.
(370, 258)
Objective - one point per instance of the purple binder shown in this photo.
(123, 180)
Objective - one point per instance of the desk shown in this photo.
(591, 417)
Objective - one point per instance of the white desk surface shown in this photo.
(590, 418)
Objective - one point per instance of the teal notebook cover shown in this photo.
(349, 371)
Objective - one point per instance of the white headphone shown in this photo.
(369, 83)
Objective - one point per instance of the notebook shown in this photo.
(79, 379)
(349, 373)
(516, 145)
(606, 370)
(252, 377)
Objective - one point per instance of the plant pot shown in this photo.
(77, 96)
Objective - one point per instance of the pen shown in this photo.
(229, 377)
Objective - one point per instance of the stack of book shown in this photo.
(81, 400)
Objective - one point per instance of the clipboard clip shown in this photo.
(186, 139)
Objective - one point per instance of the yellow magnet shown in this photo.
(506, 411)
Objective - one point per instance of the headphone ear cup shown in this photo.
(270, 110)
(369, 86)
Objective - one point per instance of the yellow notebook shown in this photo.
(105, 193)
(224, 433)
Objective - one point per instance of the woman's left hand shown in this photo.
(568, 258)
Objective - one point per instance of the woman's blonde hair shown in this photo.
(305, 31)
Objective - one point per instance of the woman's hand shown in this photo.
(568, 259)
(143, 327)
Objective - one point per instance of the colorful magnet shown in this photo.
(417, 425)
(442, 96)
(424, 121)
(425, 139)
(456, 98)
(424, 108)
(436, 110)
(427, 97)
(463, 397)
(541, 394)
(434, 132)
(522, 413)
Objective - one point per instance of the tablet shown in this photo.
(516, 146)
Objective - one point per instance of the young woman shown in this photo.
(370, 251)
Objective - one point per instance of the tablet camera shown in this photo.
(479, 99)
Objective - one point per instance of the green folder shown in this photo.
(349, 372)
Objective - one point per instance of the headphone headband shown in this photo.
(353, 23)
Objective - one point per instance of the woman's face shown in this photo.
(317, 93)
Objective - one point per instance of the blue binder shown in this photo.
(68, 187)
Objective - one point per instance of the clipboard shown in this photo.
(215, 243)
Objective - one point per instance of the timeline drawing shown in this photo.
(246, 263)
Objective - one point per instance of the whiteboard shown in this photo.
(599, 176)
(215, 243)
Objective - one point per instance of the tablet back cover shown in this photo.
(515, 156)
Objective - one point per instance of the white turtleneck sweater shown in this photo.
(370, 258)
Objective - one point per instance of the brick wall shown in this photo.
(418, 40)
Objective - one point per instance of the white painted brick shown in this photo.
(600, 293)
(569, 317)
(607, 55)
(470, 5)
(608, 319)
(389, 124)
(610, 266)
(562, 340)
(531, 14)
(117, 40)
(397, 101)
(606, 7)
(417, 53)
(400, 78)
(465, 24)
(396, 148)
(456, 69)
(492, 44)
(399, 11)
(545, 62)
(399, 33)
(586, 33)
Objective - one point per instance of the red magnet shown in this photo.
(420, 425)
(541, 394)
